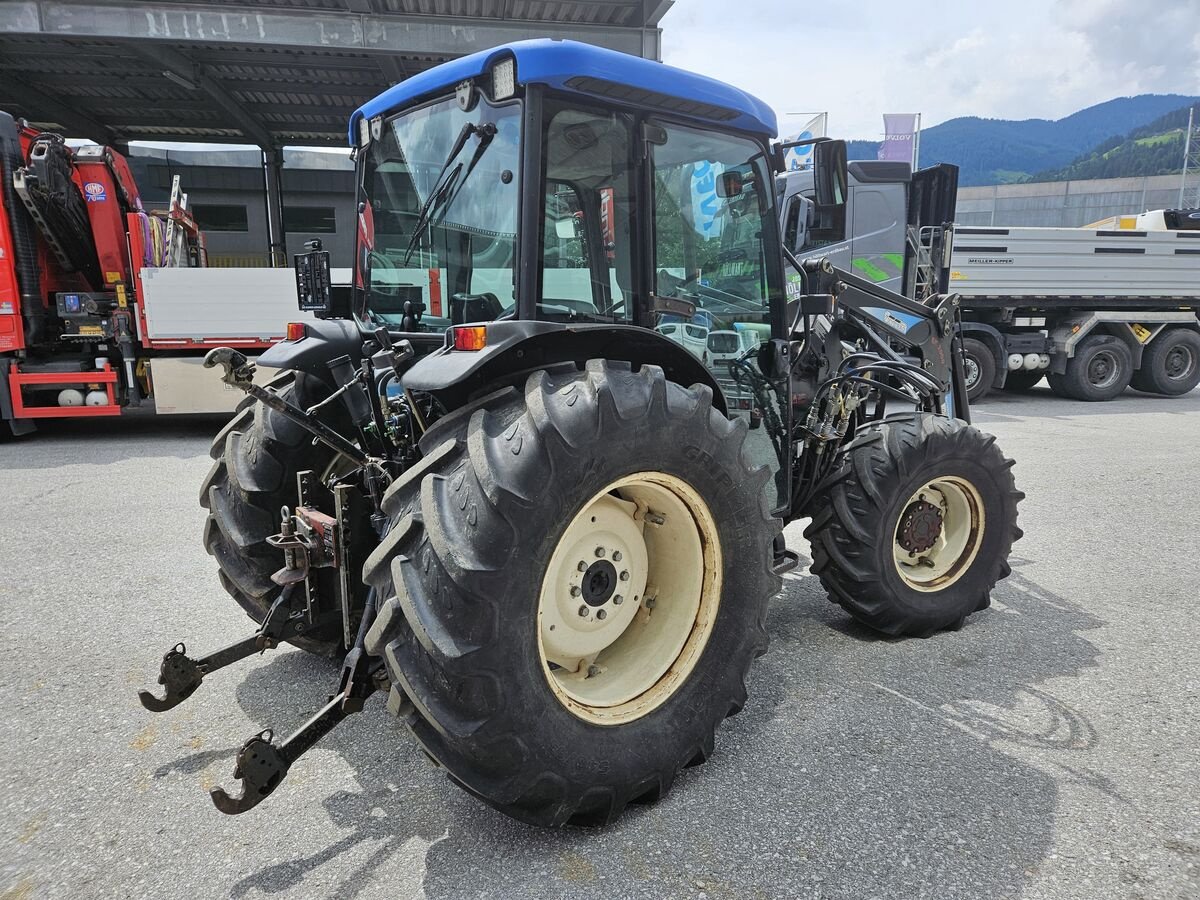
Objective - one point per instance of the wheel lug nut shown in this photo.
(583, 611)
(618, 600)
(624, 576)
(574, 590)
(582, 567)
(601, 615)
(616, 556)
(599, 552)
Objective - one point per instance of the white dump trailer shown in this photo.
(1092, 309)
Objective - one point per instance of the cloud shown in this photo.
(1019, 59)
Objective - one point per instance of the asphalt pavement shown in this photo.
(1048, 749)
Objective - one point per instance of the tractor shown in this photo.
(518, 509)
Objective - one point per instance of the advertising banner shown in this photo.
(899, 137)
(801, 157)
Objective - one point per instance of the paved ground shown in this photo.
(1049, 749)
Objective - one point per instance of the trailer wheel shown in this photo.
(256, 458)
(576, 580)
(1023, 380)
(1171, 364)
(1100, 370)
(979, 368)
(913, 529)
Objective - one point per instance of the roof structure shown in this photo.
(264, 72)
(587, 69)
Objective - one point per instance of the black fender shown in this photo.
(995, 340)
(515, 348)
(324, 339)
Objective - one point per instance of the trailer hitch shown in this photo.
(262, 764)
(181, 675)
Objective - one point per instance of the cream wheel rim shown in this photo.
(629, 598)
(938, 534)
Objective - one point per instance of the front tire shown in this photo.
(515, 665)
(979, 368)
(914, 526)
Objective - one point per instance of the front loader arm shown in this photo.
(891, 320)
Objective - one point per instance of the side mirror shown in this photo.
(730, 184)
(773, 358)
(829, 172)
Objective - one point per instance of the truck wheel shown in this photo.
(1023, 380)
(1100, 370)
(914, 527)
(576, 581)
(1171, 364)
(256, 458)
(979, 368)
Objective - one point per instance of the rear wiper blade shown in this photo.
(445, 188)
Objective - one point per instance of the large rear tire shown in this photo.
(255, 461)
(1171, 364)
(913, 529)
(1100, 370)
(575, 584)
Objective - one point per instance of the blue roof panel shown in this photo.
(555, 62)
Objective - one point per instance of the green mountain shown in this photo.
(991, 151)
(1154, 149)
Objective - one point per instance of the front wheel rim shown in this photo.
(938, 534)
(629, 598)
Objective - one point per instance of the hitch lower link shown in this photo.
(308, 543)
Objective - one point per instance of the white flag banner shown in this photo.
(798, 158)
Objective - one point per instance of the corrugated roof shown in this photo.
(292, 72)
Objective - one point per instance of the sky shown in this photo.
(1016, 59)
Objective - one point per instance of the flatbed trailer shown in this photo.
(1092, 309)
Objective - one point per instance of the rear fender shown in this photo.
(515, 348)
(324, 339)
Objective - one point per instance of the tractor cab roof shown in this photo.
(585, 69)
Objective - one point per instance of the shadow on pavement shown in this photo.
(860, 767)
(1039, 402)
(109, 440)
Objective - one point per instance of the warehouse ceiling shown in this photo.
(265, 72)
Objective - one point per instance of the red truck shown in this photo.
(106, 306)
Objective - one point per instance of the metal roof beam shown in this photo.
(168, 23)
(187, 70)
(75, 123)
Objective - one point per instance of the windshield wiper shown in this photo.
(446, 187)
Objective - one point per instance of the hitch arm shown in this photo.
(261, 764)
(239, 373)
(181, 675)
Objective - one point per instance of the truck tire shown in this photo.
(979, 368)
(574, 588)
(1023, 380)
(1100, 370)
(256, 457)
(1171, 364)
(913, 528)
